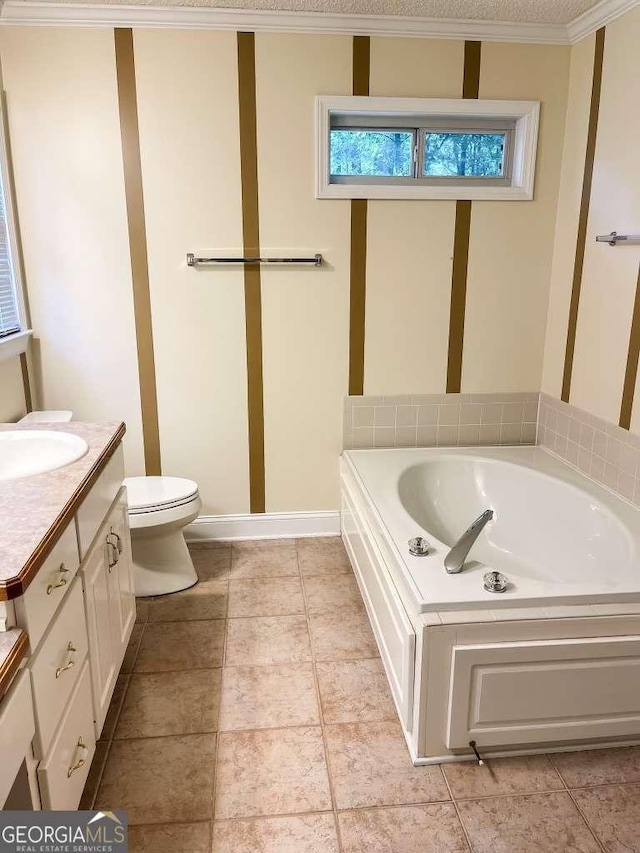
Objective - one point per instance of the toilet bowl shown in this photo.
(159, 510)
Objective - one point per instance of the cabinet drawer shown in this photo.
(62, 775)
(56, 667)
(44, 595)
(17, 727)
(93, 510)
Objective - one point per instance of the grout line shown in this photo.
(455, 805)
(575, 803)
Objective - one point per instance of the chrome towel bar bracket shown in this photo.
(193, 261)
(614, 238)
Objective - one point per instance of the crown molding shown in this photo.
(52, 13)
(600, 15)
(47, 13)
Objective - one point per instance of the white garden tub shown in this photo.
(552, 663)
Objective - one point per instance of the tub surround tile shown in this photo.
(257, 697)
(205, 600)
(170, 703)
(598, 766)
(314, 833)
(523, 775)
(264, 559)
(275, 771)
(161, 779)
(526, 824)
(370, 766)
(613, 813)
(178, 646)
(354, 691)
(432, 828)
(265, 597)
(171, 838)
(332, 594)
(323, 556)
(267, 641)
(341, 636)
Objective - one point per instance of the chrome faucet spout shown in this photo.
(454, 560)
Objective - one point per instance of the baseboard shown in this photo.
(268, 525)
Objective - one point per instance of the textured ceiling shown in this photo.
(533, 11)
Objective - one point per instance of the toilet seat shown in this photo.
(155, 494)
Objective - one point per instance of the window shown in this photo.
(415, 148)
(13, 335)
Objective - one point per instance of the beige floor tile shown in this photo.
(142, 610)
(332, 593)
(170, 703)
(115, 705)
(160, 780)
(541, 823)
(314, 833)
(265, 597)
(257, 697)
(95, 774)
(269, 772)
(269, 640)
(264, 559)
(370, 766)
(176, 646)
(614, 815)
(598, 766)
(131, 653)
(526, 775)
(433, 828)
(211, 563)
(171, 838)
(205, 600)
(323, 556)
(354, 691)
(342, 636)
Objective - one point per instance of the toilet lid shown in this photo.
(146, 494)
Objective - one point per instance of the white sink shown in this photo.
(24, 453)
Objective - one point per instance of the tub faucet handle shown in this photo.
(419, 547)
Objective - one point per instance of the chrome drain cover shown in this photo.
(495, 582)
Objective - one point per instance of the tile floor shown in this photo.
(252, 715)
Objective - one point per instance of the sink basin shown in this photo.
(24, 453)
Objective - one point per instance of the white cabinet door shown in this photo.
(120, 570)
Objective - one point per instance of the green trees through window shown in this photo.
(479, 155)
(384, 153)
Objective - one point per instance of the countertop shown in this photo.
(14, 645)
(35, 510)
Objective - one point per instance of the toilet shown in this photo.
(159, 510)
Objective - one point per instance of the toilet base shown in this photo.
(161, 562)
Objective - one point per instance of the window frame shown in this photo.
(520, 118)
(16, 343)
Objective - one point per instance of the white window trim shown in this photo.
(17, 343)
(525, 113)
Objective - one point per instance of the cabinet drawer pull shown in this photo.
(80, 762)
(69, 664)
(62, 581)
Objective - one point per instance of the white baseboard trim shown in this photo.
(268, 525)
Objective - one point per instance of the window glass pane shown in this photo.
(386, 153)
(9, 319)
(476, 155)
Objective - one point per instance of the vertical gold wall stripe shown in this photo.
(252, 281)
(631, 372)
(592, 132)
(358, 269)
(461, 236)
(128, 106)
(26, 383)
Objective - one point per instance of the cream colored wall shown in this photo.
(187, 85)
(12, 402)
(610, 275)
(305, 312)
(511, 243)
(65, 133)
(409, 244)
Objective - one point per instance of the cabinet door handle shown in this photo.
(62, 581)
(70, 662)
(80, 762)
(112, 550)
(118, 540)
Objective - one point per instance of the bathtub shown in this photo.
(551, 663)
